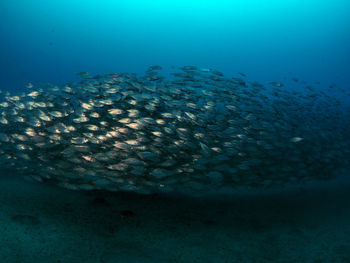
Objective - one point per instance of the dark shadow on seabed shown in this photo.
(44, 223)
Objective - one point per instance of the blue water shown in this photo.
(49, 41)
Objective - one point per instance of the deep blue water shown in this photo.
(49, 41)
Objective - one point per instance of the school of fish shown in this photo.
(193, 132)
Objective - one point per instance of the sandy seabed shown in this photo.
(45, 223)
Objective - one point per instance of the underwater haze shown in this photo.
(49, 41)
(180, 131)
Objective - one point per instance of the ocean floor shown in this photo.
(45, 223)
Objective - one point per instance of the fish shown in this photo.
(152, 68)
(276, 84)
(29, 86)
(296, 139)
(193, 132)
(83, 74)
